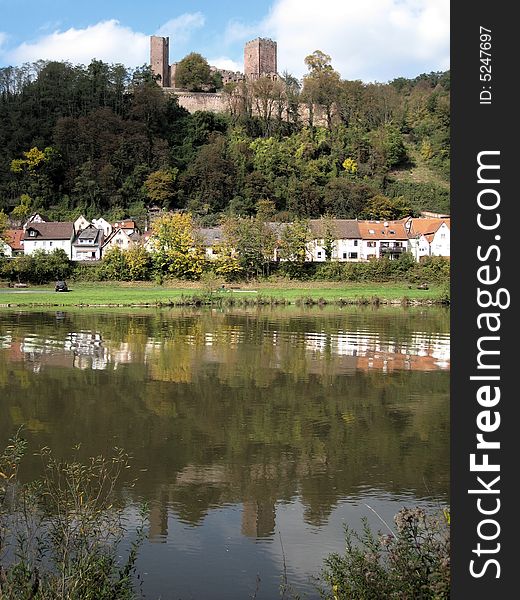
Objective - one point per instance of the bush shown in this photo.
(411, 564)
(39, 267)
(61, 535)
(432, 269)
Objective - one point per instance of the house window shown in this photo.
(344, 255)
(32, 233)
(319, 254)
(371, 231)
(352, 254)
(371, 244)
(355, 242)
(50, 243)
(443, 235)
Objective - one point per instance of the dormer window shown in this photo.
(32, 233)
(371, 231)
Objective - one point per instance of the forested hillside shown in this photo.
(103, 140)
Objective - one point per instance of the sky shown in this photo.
(372, 40)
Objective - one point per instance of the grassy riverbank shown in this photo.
(183, 293)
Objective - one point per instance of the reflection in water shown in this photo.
(242, 424)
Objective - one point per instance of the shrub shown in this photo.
(38, 267)
(61, 535)
(411, 564)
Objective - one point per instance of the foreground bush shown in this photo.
(60, 536)
(411, 564)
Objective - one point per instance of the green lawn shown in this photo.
(110, 294)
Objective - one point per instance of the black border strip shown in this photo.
(476, 128)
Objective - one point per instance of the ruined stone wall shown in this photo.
(219, 103)
(193, 101)
(159, 58)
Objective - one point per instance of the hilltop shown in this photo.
(102, 139)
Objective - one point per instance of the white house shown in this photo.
(104, 225)
(211, 238)
(81, 223)
(48, 237)
(382, 239)
(428, 236)
(121, 238)
(347, 242)
(87, 244)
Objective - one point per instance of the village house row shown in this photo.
(356, 240)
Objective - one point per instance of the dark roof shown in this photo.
(90, 235)
(344, 229)
(210, 235)
(50, 231)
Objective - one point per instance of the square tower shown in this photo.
(159, 59)
(260, 59)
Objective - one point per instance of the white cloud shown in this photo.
(223, 62)
(181, 28)
(375, 40)
(108, 41)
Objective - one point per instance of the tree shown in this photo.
(138, 263)
(346, 199)
(387, 209)
(253, 241)
(177, 252)
(3, 225)
(193, 73)
(160, 186)
(269, 99)
(322, 85)
(114, 266)
(328, 235)
(293, 245)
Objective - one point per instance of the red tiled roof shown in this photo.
(14, 238)
(382, 230)
(124, 224)
(425, 226)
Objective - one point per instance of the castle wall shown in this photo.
(193, 101)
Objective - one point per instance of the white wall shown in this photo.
(31, 246)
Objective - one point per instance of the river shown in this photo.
(255, 434)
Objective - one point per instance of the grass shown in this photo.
(184, 293)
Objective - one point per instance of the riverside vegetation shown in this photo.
(61, 536)
(176, 272)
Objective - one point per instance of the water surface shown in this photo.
(255, 433)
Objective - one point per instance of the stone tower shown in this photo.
(159, 59)
(260, 59)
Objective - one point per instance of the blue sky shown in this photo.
(374, 40)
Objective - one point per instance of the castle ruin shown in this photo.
(260, 60)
